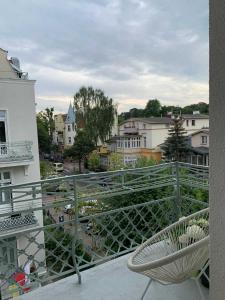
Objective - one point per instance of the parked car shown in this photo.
(58, 167)
(68, 208)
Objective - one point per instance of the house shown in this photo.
(195, 121)
(58, 135)
(199, 141)
(141, 137)
(65, 128)
(19, 159)
(70, 127)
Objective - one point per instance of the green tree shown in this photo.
(47, 118)
(93, 160)
(143, 161)
(202, 107)
(116, 162)
(152, 108)
(176, 145)
(82, 146)
(43, 135)
(95, 113)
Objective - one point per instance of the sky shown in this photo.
(134, 50)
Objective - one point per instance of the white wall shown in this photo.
(196, 140)
(199, 124)
(17, 98)
(69, 134)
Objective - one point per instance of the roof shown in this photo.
(70, 118)
(200, 150)
(203, 130)
(150, 120)
(195, 116)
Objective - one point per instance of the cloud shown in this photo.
(132, 49)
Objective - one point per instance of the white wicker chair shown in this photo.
(176, 253)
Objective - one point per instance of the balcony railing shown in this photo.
(88, 219)
(131, 130)
(19, 151)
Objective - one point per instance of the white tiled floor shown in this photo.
(113, 281)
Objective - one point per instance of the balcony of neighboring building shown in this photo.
(16, 153)
(130, 130)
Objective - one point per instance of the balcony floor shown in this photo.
(112, 281)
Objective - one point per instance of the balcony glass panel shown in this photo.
(20, 151)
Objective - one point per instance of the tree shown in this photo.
(93, 160)
(116, 162)
(143, 161)
(47, 118)
(43, 135)
(153, 108)
(176, 145)
(95, 113)
(202, 107)
(81, 148)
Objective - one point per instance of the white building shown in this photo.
(19, 157)
(70, 127)
(142, 136)
(65, 128)
(199, 141)
(195, 121)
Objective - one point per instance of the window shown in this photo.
(69, 140)
(5, 196)
(193, 122)
(187, 122)
(128, 143)
(204, 139)
(69, 128)
(145, 142)
(2, 126)
(8, 254)
(138, 142)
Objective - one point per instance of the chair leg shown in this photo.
(147, 287)
(200, 289)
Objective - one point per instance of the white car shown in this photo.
(67, 208)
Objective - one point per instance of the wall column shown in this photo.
(217, 149)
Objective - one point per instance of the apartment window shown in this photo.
(187, 122)
(204, 139)
(193, 122)
(2, 126)
(145, 142)
(138, 142)
(69, 140)
(128, 143)
(69, 128)
(5, 179)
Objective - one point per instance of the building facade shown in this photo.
(65, 128)
(143, 136)
(19, 157)
(199, 141)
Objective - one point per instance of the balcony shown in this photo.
(131, 130)
(91, 222)
(18, 152)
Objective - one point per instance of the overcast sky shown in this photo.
(134, 50)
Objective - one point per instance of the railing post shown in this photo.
(75, 231)
(177, 191)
